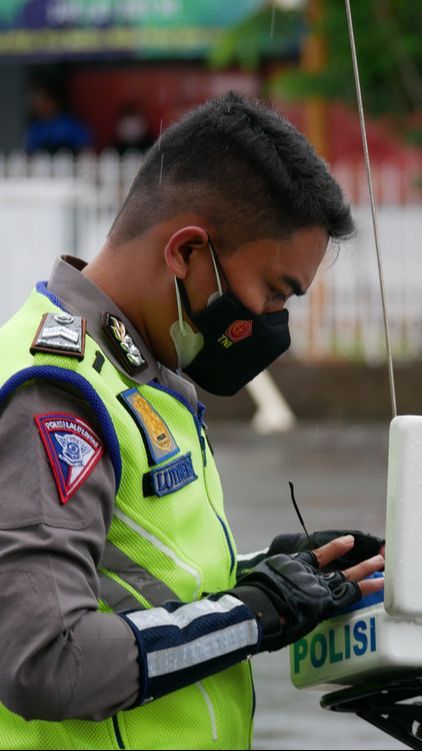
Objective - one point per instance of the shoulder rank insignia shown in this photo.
(125, 348)
(73, 450)
(170, 477)
(159, 441)
(61, 334)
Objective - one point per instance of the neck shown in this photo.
(134, 276)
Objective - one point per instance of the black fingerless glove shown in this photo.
(365, 545)
(292, 587)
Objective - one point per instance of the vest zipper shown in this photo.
(210, 708)
(228, 541)
(253, 706)
(117, 733)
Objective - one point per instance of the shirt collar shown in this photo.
(80, 296)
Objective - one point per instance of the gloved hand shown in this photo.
(365, 546)
(290, 588)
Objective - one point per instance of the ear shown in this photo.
(179, 248)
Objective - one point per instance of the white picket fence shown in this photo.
(342, 315)
(55, 205)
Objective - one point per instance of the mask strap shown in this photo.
(179, 307)
(217, 275)
(181, 294)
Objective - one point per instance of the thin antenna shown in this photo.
(272, 20)
(373, 209)
(161, 133)
(292, 493)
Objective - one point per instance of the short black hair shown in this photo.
(244, 168)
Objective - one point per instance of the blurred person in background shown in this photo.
(132, 130)
(127, 619)
(51, 128)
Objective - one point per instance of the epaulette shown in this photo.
(60, 334)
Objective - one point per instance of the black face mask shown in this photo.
(237, 343)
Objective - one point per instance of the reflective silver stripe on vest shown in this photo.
(116, 596)
(161, 546)
(152, 589)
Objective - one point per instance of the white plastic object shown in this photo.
(273, 414)
(385, 636)
(403, 585)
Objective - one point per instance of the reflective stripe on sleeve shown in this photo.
(180, 644)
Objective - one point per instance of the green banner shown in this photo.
(58, 29)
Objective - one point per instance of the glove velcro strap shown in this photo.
(260, 600)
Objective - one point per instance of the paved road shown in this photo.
(340, 477)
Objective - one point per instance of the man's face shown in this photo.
(263, 274)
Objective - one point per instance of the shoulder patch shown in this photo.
(159, 441)
(61, 334)
(73, 450)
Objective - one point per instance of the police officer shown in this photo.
(125, 619)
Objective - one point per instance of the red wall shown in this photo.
(160, 92)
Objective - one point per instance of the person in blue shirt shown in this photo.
(52, 128)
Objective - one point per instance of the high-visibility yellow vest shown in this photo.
(182, 539)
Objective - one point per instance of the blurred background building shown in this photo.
(87, 85)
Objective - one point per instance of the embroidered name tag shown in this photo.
(60, 334)
(170, 478)
(73, 450)
(159, 441)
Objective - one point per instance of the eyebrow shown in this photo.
(294, 285)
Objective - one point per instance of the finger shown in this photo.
(366, 568)
(382, 550)
(333, 549)
(368, 586)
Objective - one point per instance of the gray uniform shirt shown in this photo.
(51, 635)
